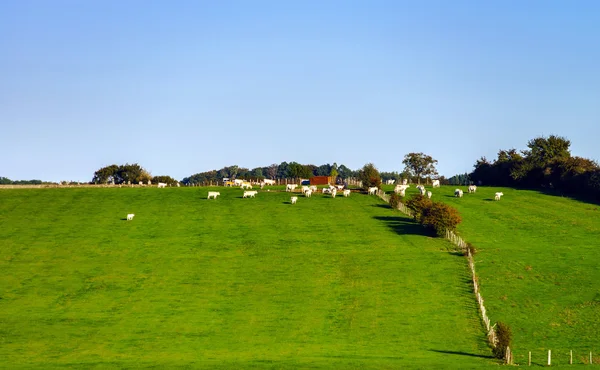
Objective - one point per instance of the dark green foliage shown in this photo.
(369, 175)
(394, 200)
(121, 174)
(417, 204)
(419, 165)
(439, 217)
(504, 335)
(471, 248)
(164, 179)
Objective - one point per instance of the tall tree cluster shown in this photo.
(546, 163)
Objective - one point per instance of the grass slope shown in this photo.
(539, 268)
(231, 283)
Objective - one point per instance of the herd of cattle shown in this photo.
(399, 189)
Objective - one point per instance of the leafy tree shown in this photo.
(5, 181)
(417, 204)
(334, 173)
(419, 165)
(106, 174)
(164, 179)
(344, 172)
(272, 171)
(369, 175)
(323, 170)
(282, 170)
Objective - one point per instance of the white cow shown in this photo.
(458, 193)
(347, 192)
(162, 185)
(372, 190)
(249, 193)
(313, 188)
(290, 187)
(308, 193)
(246, 185)
(429, 194)
(498, 195)
(326, 190)
(333, 192)
(405, 182)
(421, 189)
(213, 194)
(130, 216)
(401, 188)
(472, 188)
(293, 200)
(178, 184)
(435, 183)
(390, 181)
(269, 182)
(305, 189)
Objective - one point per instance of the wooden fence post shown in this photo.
(529, 358)
(591, 360)
(571, 357)
(549, 357)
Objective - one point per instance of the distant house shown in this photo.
(320, 180)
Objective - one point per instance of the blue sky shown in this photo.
(182, 87)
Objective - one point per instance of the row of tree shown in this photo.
(7, 181)
(128, 173)
(546, 164)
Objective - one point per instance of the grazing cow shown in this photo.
(313, 188)
(269, 182)
(326, 190)
(162, 185)
(421, 189)
(246, 185)
(213, 194)
(405, 182)
(390, 181)
(429, 194)
(290, 187)
(130, 216)
(305, 188)
(293, 200)
(401, 188)
(435, 183)
(346, 192)
(333, 192)
(372, 190)
(249, 193)
(238, 182)
(458, 193)
(472, 188)
(308, 193)
(498, 195)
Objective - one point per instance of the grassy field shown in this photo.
(230, 283)
(539, 268)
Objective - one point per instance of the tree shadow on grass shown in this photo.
(460, 353)
(403, 226)
(382, 206)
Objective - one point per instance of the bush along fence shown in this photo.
(462, 245)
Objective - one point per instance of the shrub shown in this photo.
(471, 248)
(504, 336)
(439, 216)
(369, 175)
(394, 200)
(417, 204)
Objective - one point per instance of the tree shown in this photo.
(419, 164)
(106, 174)
(164, 179)
(5, 181)
(369, 175)
(334, 173)
(272, 171)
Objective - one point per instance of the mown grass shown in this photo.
(539, 268)
(227, 283)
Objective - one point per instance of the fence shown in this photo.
(459, 242)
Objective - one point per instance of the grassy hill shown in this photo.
(539, 268)
(228, 283)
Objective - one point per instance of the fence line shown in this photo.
(459, 242)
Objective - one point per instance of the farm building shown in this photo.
(320, 180)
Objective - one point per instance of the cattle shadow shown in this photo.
(403, 226)
(488, 199)
(124, 219)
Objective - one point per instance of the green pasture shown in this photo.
(539, 268)
(342, 283)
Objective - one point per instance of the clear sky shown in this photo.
(182, 87)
